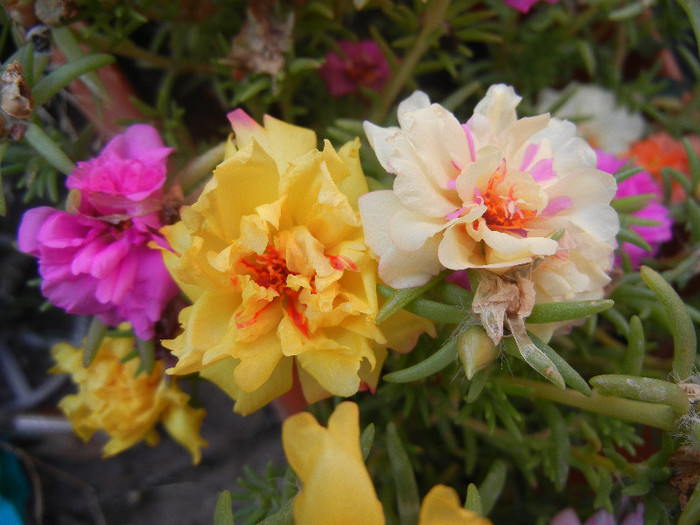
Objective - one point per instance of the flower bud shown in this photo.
(475, 350)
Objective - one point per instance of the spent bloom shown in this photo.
(599, 118)
(125, 405)
(514, 198)
(336, 486)
(96, 257)
(355, 65)
(641, 183)
(272, 255)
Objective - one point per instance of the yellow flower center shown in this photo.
(270, 271)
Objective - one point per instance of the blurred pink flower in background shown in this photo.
(640, 184)
(96, 257)
(569, 517)
(524, 5)
(357, 64)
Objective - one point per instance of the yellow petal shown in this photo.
(336, 485)
(441, 507)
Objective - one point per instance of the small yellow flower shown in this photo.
(273, 257)
(441, 507)
(113, 398)
(336, 485)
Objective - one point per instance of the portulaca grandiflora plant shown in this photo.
(453, 243)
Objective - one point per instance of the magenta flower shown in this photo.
(524, 5)
(96, 258)
(639, 184)
(358, 64)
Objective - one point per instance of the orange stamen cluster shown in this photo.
(270, 271)
(502, 211)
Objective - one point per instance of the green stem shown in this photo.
(654, 415)
(435, 17)
(199, 168)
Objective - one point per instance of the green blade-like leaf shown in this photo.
(52, 83)
(492, 486)
(432, 365)
(532, 355)
(223, 513)
(404, 477)
(366, 440)
(555, 312)
(93, 340)
(643, 389)
(400, 298)
(682, 329)
(692, 9)
(473, 501)
(48, 149)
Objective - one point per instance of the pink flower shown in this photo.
(126, 178)
(569, 517)
(639, 184)
(524, 5)
(96, 258)
(358, 64)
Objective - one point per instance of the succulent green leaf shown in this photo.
(634, 356)
(492, 486)
(404, 477)
(682, 329)
(223, 512)
(643, 389)
(398, 299)
(446, 355)
(555, 312)
(473, 501)
(146, 349)
(48, 149)
(93, 340)
(366, 440)
(52, 83)
(558, 446)
(532, 355)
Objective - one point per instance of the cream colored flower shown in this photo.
(599, 118)
(127, 406)
(497, 194)
(273, 257)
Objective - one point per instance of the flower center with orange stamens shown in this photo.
(270, 271)
(503, 212)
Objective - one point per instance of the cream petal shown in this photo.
(409, 231)
(401, 269)
(498, 106)
(376, 209)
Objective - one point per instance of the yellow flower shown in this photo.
(273, 257)
(336, 485)
(441, 507)
(113, 398)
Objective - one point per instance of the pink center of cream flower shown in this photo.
(503, 210)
